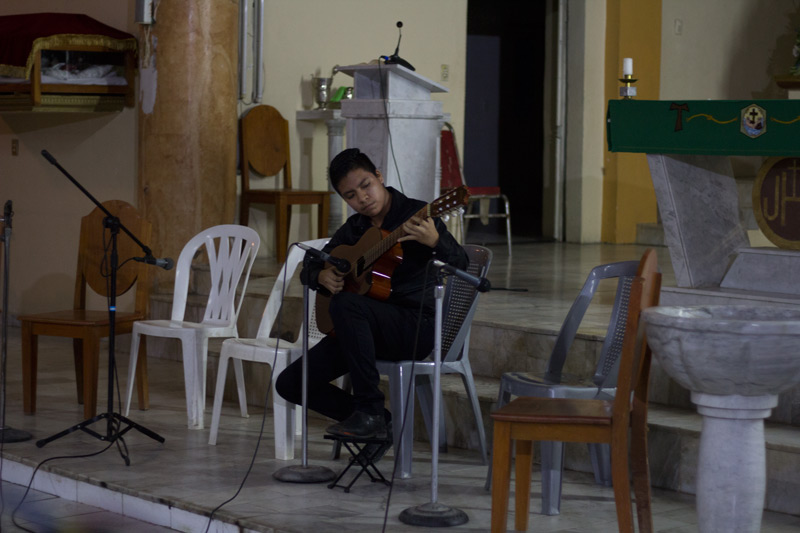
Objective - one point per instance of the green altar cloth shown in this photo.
(711, 127)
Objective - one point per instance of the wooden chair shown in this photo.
(265, 149)
(87, 327)
(529, 419)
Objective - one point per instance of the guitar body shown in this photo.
(375, 256)
(373, 280)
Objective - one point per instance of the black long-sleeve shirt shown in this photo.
(408, 280)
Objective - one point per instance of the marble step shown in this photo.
(673, 437)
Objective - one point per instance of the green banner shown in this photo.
(712, 127)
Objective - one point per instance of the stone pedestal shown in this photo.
(335, 124)
(393, 120)
(731, 472)
(699, 206)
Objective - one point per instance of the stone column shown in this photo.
(187, 120)
(732, 464)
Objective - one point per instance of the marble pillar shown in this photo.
(335, 125)
(187, 121)
(731, 476)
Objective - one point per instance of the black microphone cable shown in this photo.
(279, 320)
(384, 99)
(411, 384)
(105, 274)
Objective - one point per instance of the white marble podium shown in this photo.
(393, 120)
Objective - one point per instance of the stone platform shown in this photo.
(515, 330)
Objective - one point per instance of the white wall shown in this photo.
(99, 150)
(305, 37)
(585, 120)
(726, 49)
(301, 38)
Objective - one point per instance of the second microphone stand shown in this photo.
(304, 473)
(7, 434)
(433, 513)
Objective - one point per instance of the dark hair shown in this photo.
(347, 161)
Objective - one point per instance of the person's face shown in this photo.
(364, 192)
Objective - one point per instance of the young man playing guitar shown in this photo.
(365, 328)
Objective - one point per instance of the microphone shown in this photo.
(165, 263)
(342, 265)
(481, 284)
(395, 59)
(49, 157)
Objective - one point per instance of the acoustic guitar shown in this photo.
(377, 253)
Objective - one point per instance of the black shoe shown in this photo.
(377, 451)
(362, 425)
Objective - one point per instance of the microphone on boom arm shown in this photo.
(340, 264)
(395, 59)
(165, 263)
(481, 284)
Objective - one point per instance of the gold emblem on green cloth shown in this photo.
(754, 121)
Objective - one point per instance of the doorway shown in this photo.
(504, 119)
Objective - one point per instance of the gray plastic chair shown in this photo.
(555, 384)
(458, 308)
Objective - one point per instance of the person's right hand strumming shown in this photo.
(331, 279)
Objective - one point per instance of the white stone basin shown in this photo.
(735, 360)
(727, 349)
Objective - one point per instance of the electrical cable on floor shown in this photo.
(118, 440)
(279, 320)
(411, 384)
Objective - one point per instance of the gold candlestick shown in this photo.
(627, 91)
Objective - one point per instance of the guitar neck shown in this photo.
(374, 253)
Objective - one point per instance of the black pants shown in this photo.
(365, 330)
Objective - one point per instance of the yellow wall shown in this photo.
(633, 29)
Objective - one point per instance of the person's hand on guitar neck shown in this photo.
(331, 279)
(422, 230)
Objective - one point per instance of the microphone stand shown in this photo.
(433, 513)
(7, 434)
(303, 473)
(114, 421)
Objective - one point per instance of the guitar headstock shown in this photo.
(451, 201)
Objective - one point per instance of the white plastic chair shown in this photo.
(231, 250)
(459, 304)
(265, 349)
(557, 384)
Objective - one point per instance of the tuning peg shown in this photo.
(445, 217)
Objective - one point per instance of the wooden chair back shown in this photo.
(265, 145)
(93, 268)
(634, 370)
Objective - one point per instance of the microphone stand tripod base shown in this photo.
(304, 474)
(14, 435)
(433, 514)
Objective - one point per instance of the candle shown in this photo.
(627, 66)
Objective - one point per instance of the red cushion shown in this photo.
(484, 191)
(451, 171)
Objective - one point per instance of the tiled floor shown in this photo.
(178, 483)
